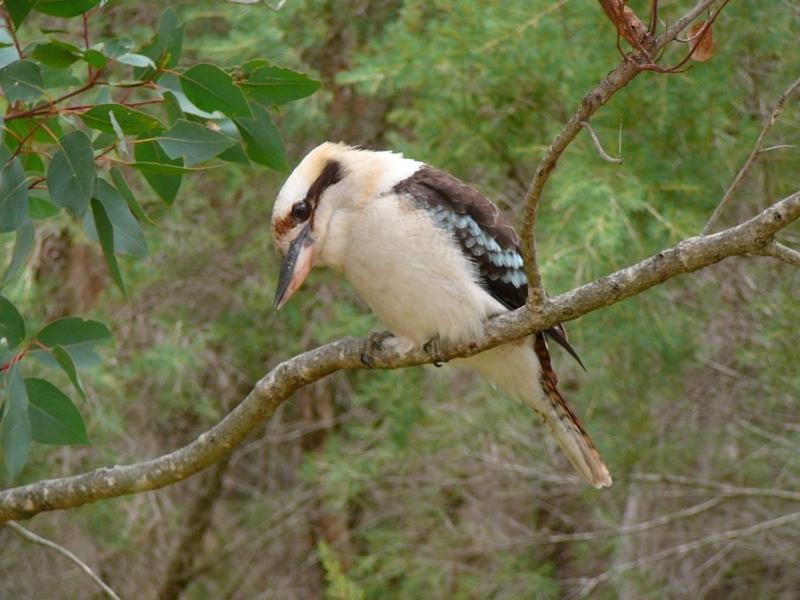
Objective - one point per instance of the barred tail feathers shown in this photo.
(523, 370)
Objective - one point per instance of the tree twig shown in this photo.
(597, 97)
(748, 164)
(781, 252)
(261, 403)
(681, 549)
(598, 146)
(37, 539)
(723, 488)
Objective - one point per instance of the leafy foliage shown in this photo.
(78, 122)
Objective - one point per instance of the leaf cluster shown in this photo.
(81, 116)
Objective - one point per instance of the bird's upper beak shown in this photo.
(296, 265)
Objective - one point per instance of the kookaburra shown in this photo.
(433, 259)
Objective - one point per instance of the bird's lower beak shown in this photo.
(296, 266)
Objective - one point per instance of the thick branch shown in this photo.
(629, 68)
(280, 383)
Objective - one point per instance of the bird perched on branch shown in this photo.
(433, 259)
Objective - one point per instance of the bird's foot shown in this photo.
(433, 349)
(373, 345)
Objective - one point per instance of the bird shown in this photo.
(433, 259)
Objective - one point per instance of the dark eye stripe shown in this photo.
(331, 174)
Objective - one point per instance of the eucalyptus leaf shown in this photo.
(71, 174)
(22, 80)
(166, 185)
(23, 248)
(210, 88)
(262, 140)
(54, 419)
(128, 236)
(105, 231)
(77, 336)
(193, 142)
(12, 326)
(13, 192)
(16, 425)
(66, 363)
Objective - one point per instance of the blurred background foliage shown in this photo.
(426, 483)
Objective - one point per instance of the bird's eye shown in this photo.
(300, 211)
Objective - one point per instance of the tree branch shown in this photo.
(280, 383)
(783, 253)
(37, 539)
(647, 45)
(748, 164)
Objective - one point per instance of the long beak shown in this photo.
(296, 266)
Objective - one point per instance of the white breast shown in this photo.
(411, 273)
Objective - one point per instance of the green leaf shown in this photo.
(171, 83)
(125, 191)
(273, 85)
(210, 88)
(262, 140)
(172, 107)
(77, 336)
(56, 54)
(8, 52)
(193, 142)
(12, 327)
(16, 425)
(54, 419)
(23, 247)
(41, 208)
(136, 60)
(65, 361)
(166, 185)
(21, 80)
(105, 231)
(71, 174)
(31, 161)
(128, 236)
(95, 58)
(131, 121)
(64, 8)
(117, 47)
(235, 153)
(18, 9)
(170, 37)
(40, 129)
(123, 145)
(13, 192)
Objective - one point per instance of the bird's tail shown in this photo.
(565, 426)
(523, 370)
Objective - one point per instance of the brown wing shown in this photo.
(484, 233)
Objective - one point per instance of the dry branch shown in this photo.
(779, 251)
(682, 549)
(625, 21)
(42, 541)
(748, 164)
(286, 378)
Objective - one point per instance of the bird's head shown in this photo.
(301, 214)
(331, 184)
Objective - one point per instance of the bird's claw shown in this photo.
(373, 345)
(433, 349)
